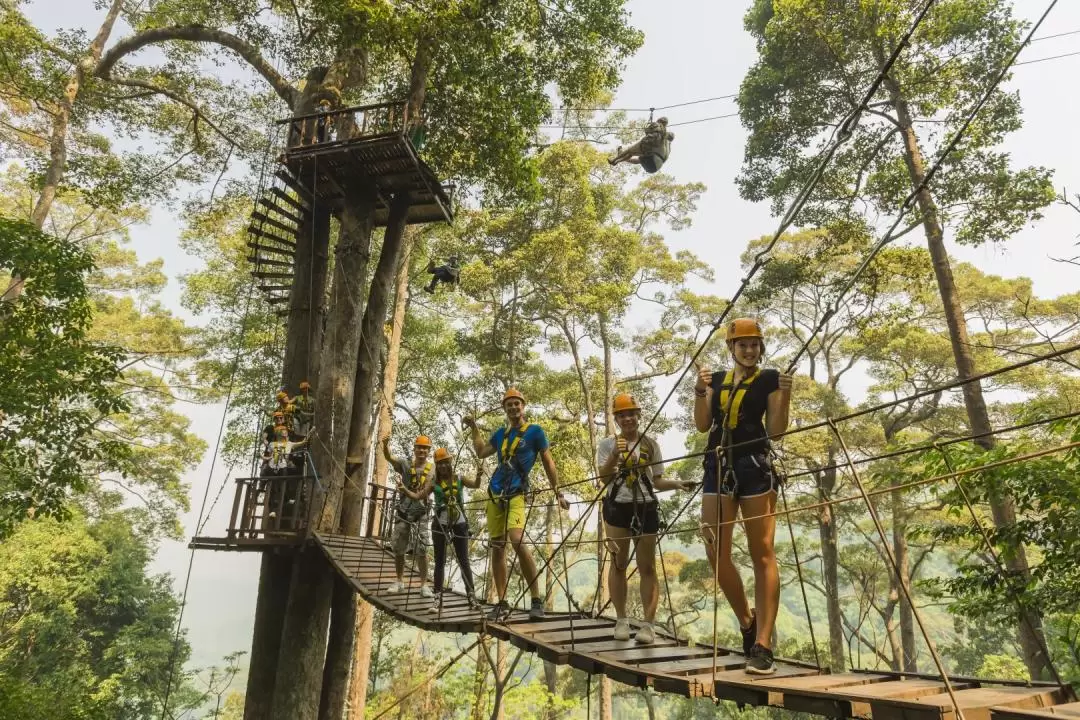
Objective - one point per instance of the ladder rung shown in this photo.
(283, 252)
(271, 275)
(269, 262)
(270, 236)
(264, 218)
(299, 206)
(294, 184)
(269, 205)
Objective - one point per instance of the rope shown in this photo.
(798, 570)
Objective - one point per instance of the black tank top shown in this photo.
(749, 411)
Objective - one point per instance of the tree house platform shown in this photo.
(335, 155)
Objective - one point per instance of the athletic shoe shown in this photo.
(500, 612)
(622, 629)
(749, 635)
(645, 635)
(396, 587)
(436, 607)
(760, 661)
(426, 592)
(536, 612)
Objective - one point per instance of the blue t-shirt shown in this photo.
(511, 476)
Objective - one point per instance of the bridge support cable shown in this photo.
(900, 579)
(988, 543)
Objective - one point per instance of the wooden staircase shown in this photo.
(275, 229)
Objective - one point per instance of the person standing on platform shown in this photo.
(451, 526)
(411, 527)
(740, 409)
(305, 409)
(516, 446)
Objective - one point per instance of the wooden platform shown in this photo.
(671, 665)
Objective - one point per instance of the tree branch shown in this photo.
(178, 98)
(199, 33)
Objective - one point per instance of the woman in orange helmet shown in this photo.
(450, 524)
(629, 465)
(740, 409)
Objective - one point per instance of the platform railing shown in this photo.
(378, 510)
(271, 507)
(351, 123)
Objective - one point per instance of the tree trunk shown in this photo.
(364, 612)
(340, 652)
(54, 173)
(266, 638)
(1003, 507)
(903, 561)
(307, 301)
(299, 680)
(830, 562)
(606, 708)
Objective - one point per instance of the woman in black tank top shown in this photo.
(740, 409)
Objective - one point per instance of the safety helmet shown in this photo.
(442, 454)
(513, 393)
(279, 414)
(422, 441)
(624, 402)
(744, 328)
(282, 395)
(305, 385)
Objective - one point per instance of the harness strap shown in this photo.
(731, 396)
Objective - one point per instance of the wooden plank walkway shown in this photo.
(672, 665)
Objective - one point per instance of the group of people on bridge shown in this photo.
(739, 408)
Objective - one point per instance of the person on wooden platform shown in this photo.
(305, 409)
(282, 456)
(516, 446)
(629, 465)
(740, 409)
(651, 151)
(450, 525)
(411, 514)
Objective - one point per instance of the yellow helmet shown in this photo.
(744, 328)
(513, 393)
(305, 385)
(442, 454)
(624, 402)
(282, 395)
(422, 441)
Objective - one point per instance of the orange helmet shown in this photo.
(513, 393)
(442, 454)
(305, 385)
(422, 441)
(279, 414)
(624, 402)
(744, 328)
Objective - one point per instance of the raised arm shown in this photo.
(480, 444)
(779, 407)
(703, 400)
(473, 482)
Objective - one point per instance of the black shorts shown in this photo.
(651, 163)
(639, 517)
(753, 475)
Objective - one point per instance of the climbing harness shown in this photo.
(508, 457)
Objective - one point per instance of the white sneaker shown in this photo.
(396, 587)
(622, 629)
(436, 607)
(646, 635)
(426, 592)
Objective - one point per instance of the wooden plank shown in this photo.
(271, 275)
(270, 262)
(286, 197)
(556, 624)
(281, 251)
(796, 698)
(974, 703)
(655, 653)
(265, 235)
(693, 666)
(1055, 712)
(855, 701)
(578, 634)
(272, 206)
(263, 218)
(294, 184)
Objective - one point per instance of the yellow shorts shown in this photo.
(505, 516)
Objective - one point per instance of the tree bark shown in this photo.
(1003, 508)
(830, 561)
(903, 561)
(299, 680)
(266, 638)
(361, 664)
(307, 301)
(339, 658)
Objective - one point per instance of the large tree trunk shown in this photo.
(54, 172)
(307, 301)
(364, 612)
(340, 651)
(266, 638)
(1003, 507)
(303, 645)
(830, 562)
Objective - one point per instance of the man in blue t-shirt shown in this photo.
(516, 447)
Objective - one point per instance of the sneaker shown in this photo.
(426, 592)
(760, 661)
(622, 629)
(645, 635)
(749, 635)
(474, 604)
(499, 612)
(396, 587)
(436, 607)
(536, 612)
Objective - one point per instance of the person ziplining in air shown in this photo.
(651, 151)
(739, 476)
(631, 512)
(516, 447)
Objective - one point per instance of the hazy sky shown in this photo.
(693, 49)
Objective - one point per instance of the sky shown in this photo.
(693, 49)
